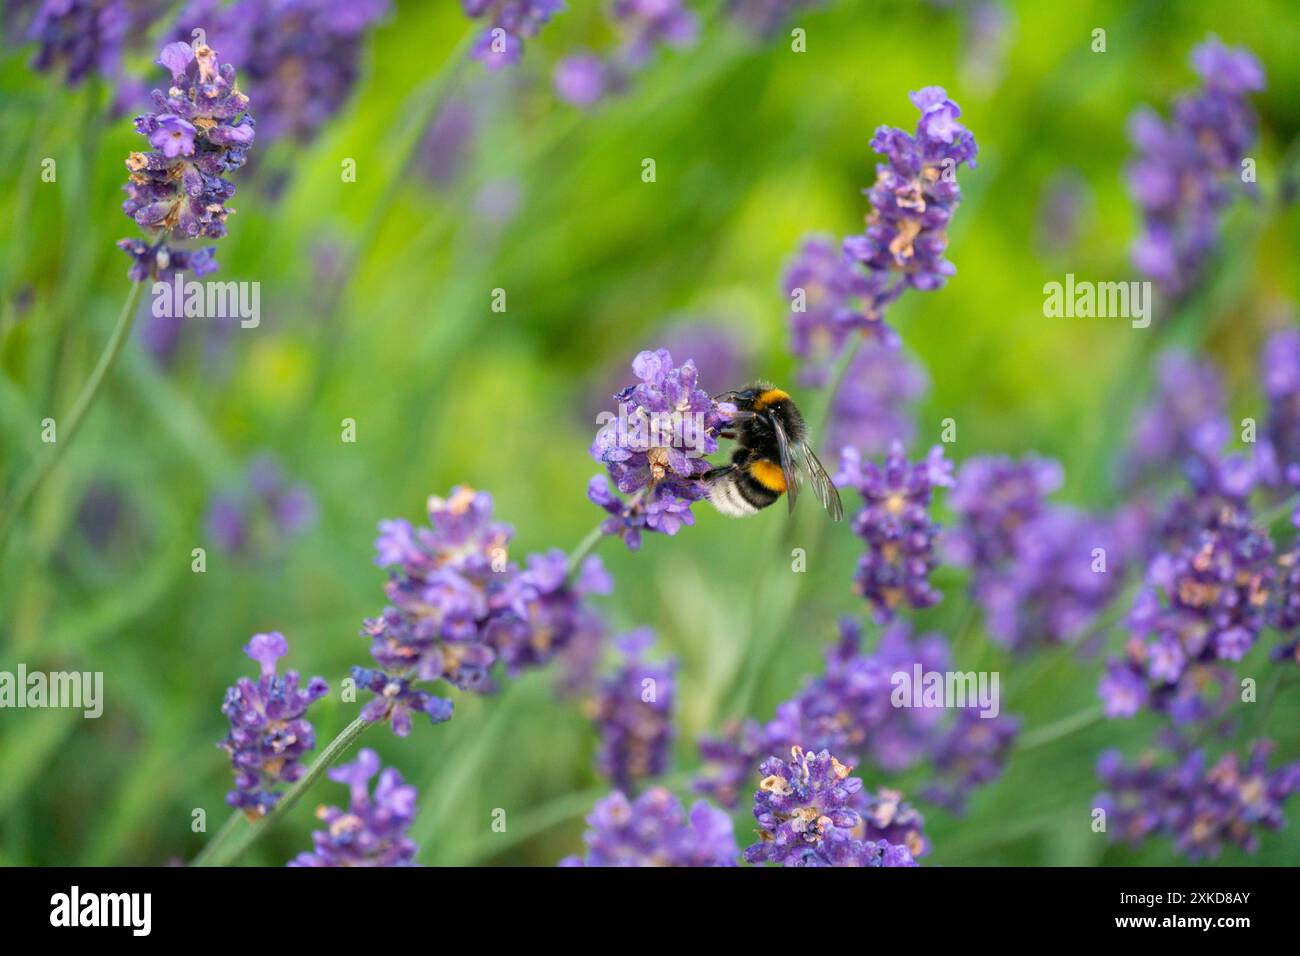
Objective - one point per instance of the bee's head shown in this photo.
(743, 398)
(756, 398)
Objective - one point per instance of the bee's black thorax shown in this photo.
(757, 433)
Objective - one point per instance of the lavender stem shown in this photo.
(214, 854)
(71, 423)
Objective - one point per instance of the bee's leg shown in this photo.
(738, 458)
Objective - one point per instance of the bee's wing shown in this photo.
(821, 482)
(788, 469)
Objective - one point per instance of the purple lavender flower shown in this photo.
(972, 752)
(653, 830)
(1212, 595)
(268, 730)
(300, 58)
(162, 262)
(1123, 689)
(887, 816)
(1278, 452)
(1204, 601)
(1064, 208)
(870, 410)
(994, 496)
(1284, 609)
(510, 22)
(655, 448)
(633, 711)
(716, 344)
(103, 515)
(804, 809)
(1185, 421)
(986, 34)
(457, 605)
(446, 146)
(397, 698)
(766, 17)
(585, 78)
(831, 298)
(372, 830)
(543, 609)
(173, 137)
(1066, 568)
(578, 661)
(449, 578)
(895, 523)
(1181, 175)
(914, 196)
(1042, 572)
(200, 130)
(652, 23)
(266, 506)
(582, 79)
(1200, 807)
(848, 710)
(88, 36)
(846, 291)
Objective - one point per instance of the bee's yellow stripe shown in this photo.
(770, 397)
(769, 475)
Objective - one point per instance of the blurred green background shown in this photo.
(755, 146)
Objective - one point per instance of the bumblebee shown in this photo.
(772, 456)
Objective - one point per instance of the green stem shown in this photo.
(1279, 511)
(1059, 729)
(429, 101)
(218, 838)
(541, 819)
(584, 548)
(72, 422)
(221, 852)
(595, 536)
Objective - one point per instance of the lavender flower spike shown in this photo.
(447, 581)
(847, 290)
(300, 58)
(1181, 176)
(633, 711)
(895, 523)
(1278, 453)
(268, 731)
(87, 36)
(831, 299)
(510, 22)
(1201, 807)
(372, 830)
(654, 831)
(585, 78)
(1204, 601)
(655, 446)
(915, 194)
(199, 130)
(804, 809)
